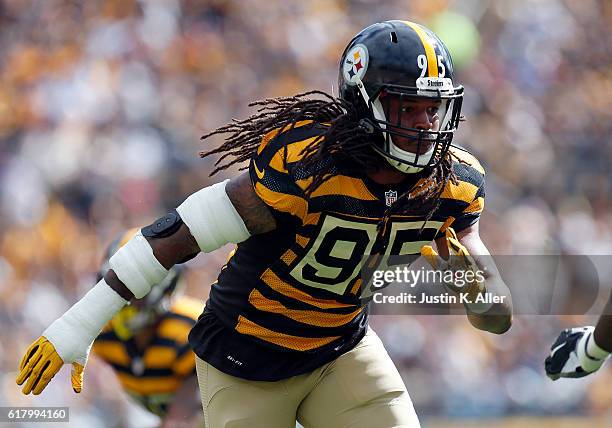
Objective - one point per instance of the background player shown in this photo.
(580, 351)
(146, 345)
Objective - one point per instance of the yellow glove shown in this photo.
(40, 363)
(459, 260)
(68, 339)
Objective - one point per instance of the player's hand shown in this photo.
(41, 362)
(68, 339)
(459, 260)
(568, 357)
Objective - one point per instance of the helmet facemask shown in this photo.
(411, 150)
(143, 313)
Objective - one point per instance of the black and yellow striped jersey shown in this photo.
(296, 290)
(152, 375)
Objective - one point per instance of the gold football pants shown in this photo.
(361, 388)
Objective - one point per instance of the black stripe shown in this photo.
(279, 182)
(414, 235)
(481, 192)
(451, 207)
(465, 221)
(162, 341)
(468, 174)
(291, 303)
(183, 350)
(347, 204)
(148, 372)
(308, 230)
(108, 336)
(283, 325)
(179, 317)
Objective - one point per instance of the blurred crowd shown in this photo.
(102, 104)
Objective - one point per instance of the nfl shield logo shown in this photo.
(390, 197)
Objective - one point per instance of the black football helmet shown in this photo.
(407, 61)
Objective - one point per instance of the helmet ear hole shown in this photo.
(393, 37)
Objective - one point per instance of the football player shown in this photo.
(146, 345)
(580, 351)
(285, 334)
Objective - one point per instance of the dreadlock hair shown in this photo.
(345, 146)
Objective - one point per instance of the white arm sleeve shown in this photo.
(212, 219)
(73, 333)
(137, 267)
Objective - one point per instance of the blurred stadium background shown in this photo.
(102, 104)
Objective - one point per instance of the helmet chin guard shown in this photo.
(407, 157)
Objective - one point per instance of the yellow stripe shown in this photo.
(185, 365)
(341, 185)
(432, 59)
(159, 357)
(297, 343)
(112, 352)
(127, 236)
(270, 135)
(294, 154)
(282, 202)
(149, 385)
(476, 206)
(188, 307)
(356, 286)
(467, 158)
(463, 191)
(316, 318)
(282, 287)
(174, 330)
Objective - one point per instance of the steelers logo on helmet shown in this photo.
(355, 64)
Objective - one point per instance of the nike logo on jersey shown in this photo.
(260, 174)
(234, 360)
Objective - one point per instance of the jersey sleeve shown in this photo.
(471, 213)
(462, 201)
(270, 170)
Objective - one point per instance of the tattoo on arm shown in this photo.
(254, 212)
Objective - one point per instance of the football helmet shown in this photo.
(138, 314)
(401, 62)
